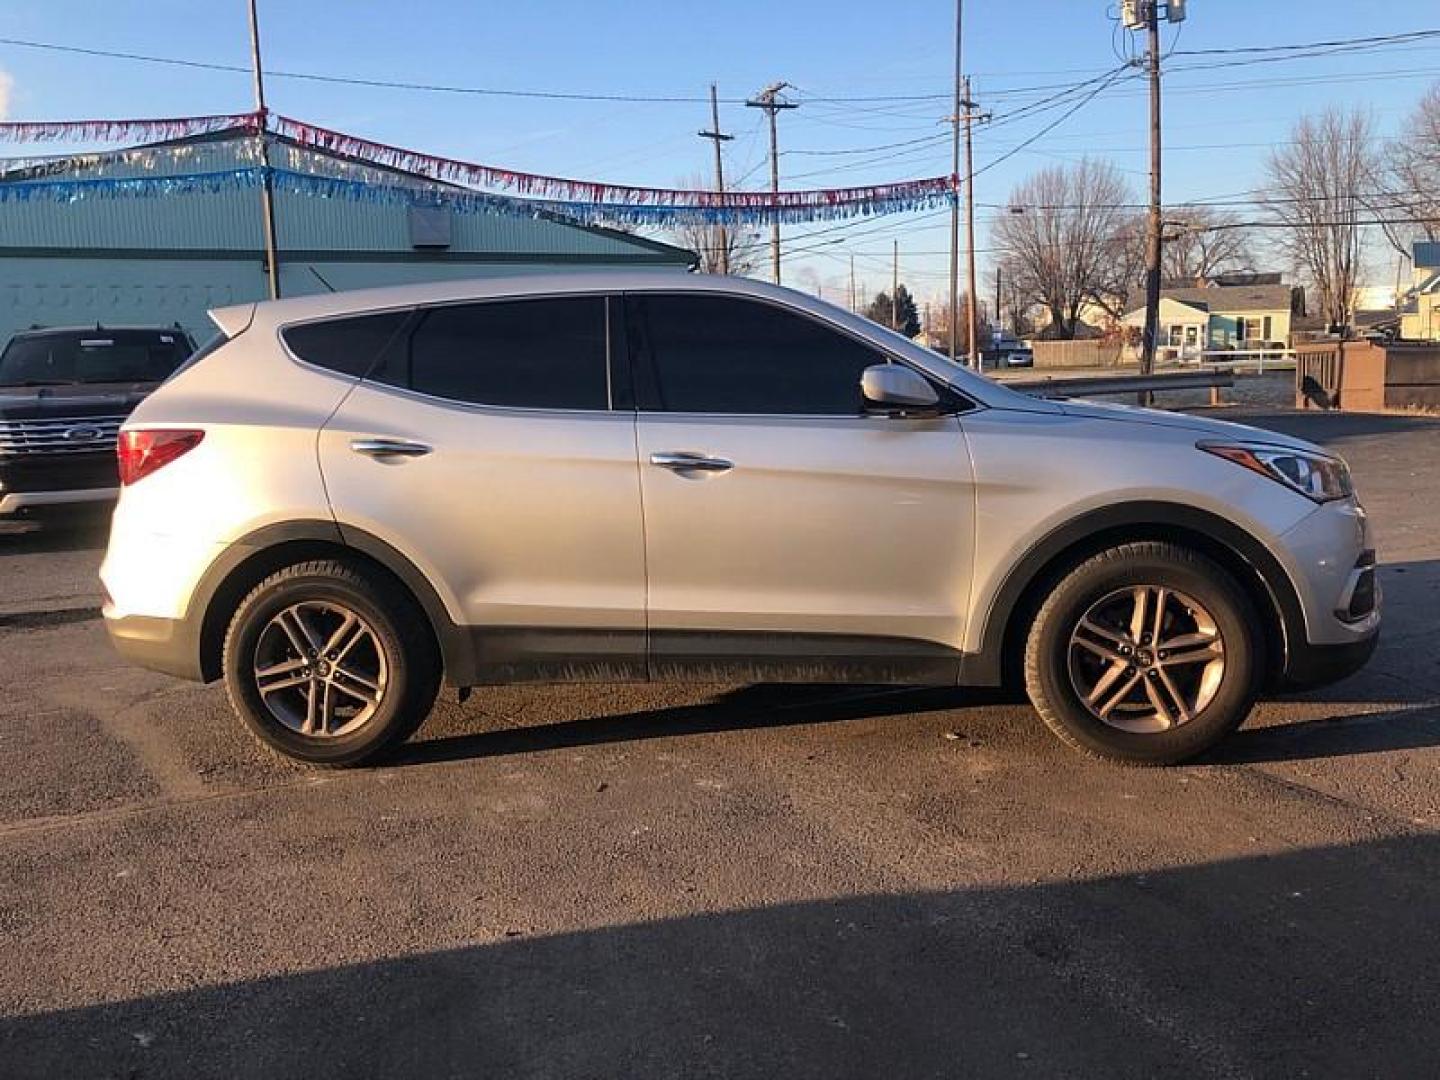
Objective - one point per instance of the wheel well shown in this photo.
(238, 582)
(1246, 575)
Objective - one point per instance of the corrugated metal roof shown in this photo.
(230, 220)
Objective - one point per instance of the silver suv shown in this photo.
(611, 476)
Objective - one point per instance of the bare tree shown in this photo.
(1064, 239)
(1126, 251)
(1201, 242)
(1411, 177)
(708, 240)
(1318, 183)
(705, 239)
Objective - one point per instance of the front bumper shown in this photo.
(170, 646)
(35, 482)
(1310, 666)
(1334, 571)
(22, 502)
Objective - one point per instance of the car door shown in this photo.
(484, 447)
(789, 534)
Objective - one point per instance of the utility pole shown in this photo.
(267, 189)
(895, 285)
(716, 136)
(769, 99)
(855, 308)
(972, 323)
(955, 184)
(1152, 238)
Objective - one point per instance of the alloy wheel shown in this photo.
(1146, 658)
(319, 669)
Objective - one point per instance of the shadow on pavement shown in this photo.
(1318, 962)
(1332, 737)
(735, 710)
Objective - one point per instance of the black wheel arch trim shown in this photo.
(206, 622)
(986, 667)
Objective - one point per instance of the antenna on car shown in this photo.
(321, 278)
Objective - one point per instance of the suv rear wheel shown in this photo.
(1147, 653)
(330, 665)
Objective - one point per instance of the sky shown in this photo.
(1220, 123)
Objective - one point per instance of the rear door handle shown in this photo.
(381, 448)
(685, 461)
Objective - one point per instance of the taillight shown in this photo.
(142, 452)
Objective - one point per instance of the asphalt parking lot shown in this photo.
(649, 881)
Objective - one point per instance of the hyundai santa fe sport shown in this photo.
(351, 499)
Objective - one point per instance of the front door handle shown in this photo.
(383, 448)
(685, 461)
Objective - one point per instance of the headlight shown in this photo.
(1316, 476)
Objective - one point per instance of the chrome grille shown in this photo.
(60, 435)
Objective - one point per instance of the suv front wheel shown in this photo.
(330, 665)
(1146, 653)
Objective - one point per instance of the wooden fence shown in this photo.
(1361, 376)
(1076, 354)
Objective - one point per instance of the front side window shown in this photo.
(547, 353)
(725, 354)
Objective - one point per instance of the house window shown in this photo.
(1175, 332)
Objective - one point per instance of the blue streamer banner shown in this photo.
(896, 200)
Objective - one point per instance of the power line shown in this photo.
(865, 149)
(1074, 108)
(924, 143)
(1095, 89)
(1379, 39)
(1302, 51)
(1263, 199)
(447, 88)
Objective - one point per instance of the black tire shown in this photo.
(400, 632)
(1048, 654)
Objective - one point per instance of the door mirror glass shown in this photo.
(896, 386)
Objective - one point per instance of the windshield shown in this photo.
(99, 356)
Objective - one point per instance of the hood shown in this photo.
(1202, 426)
(88, 399)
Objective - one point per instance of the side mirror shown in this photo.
(896, 386)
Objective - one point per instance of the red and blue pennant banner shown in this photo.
(457, 199)
(465, 186)
(470, 174)
(131, 131)
(127, 187)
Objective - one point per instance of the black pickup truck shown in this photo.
(64, 393)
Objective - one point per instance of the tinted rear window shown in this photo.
(347, 346)
(98, 356)
(535, 354)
